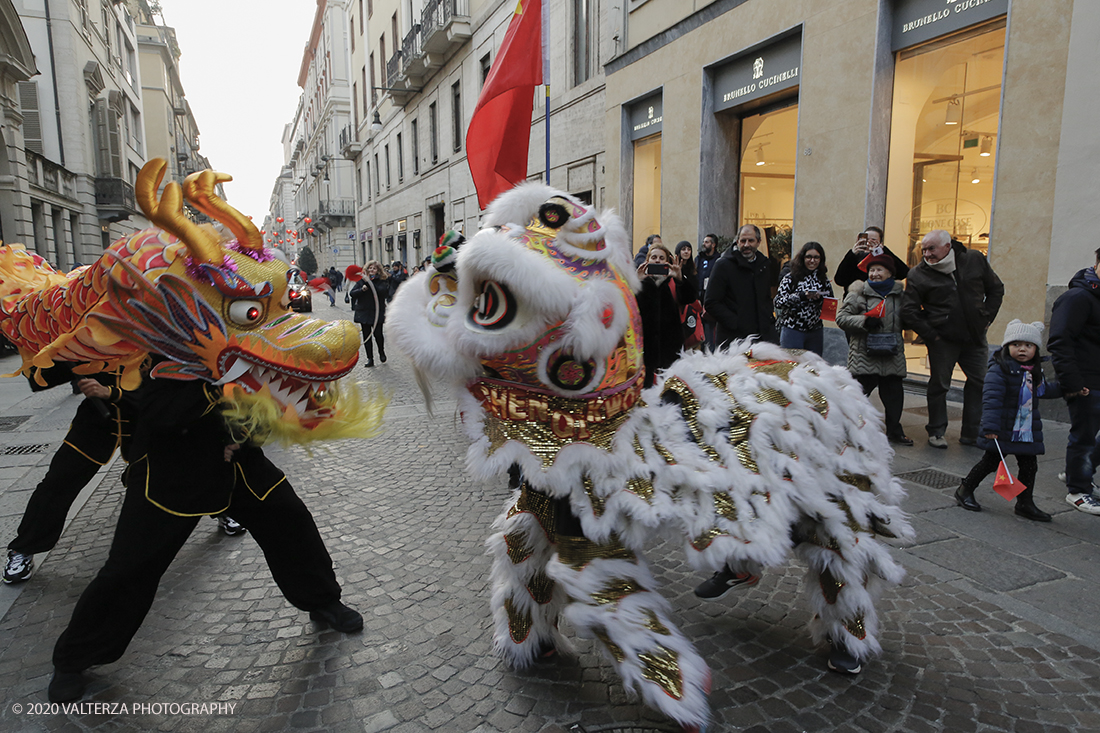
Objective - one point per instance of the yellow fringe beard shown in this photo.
(259, 416)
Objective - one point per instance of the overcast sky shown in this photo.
(239, 65)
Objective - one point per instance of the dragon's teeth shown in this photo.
(240, 366)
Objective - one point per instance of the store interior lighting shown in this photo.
(975, 177)
(954, 112)
(760, 155)
(987, 146)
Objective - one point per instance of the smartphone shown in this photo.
(861, 237)
(656, 269)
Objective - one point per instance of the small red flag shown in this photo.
(1005, 484)
(878, 311)
(828, 309)
(500, 129)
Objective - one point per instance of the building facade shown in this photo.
(815, 120)
(316, 177)
(16, 66)
(82, 127)
(171, 131)
(417, 68)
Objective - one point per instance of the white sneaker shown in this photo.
(1086, 503)
(1062, 478)
(937, 441)
(18, 567)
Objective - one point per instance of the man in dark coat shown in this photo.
(950, 299)
(1075, 350)
(704, 265)
(738, 295)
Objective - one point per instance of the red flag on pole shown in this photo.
(1005, 485)
(500, 129)
(878, 311)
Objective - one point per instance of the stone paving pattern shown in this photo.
(406, 527)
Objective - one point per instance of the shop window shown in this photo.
(647, 189)
(769, 142)
(943, 139)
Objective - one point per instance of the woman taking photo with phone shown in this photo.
(664, 290)
(799, 299)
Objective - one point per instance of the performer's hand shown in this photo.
(990, 436)
(91, 388)
(230, 450)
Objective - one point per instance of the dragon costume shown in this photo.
(214, 306)
(748, 454)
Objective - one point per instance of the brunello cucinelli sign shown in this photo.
(646, 116)
(917, 21)
(759, 72)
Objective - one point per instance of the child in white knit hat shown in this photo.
(1010, 416)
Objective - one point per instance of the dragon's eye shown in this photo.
(246, 312)
(494, 308)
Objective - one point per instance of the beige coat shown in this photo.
(850, 318)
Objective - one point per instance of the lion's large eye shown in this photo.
(246, 312)
(494, 308)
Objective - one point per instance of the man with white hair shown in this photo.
(950, 299)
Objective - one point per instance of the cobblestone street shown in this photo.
(994, 629)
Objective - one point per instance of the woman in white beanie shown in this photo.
(1010, 417)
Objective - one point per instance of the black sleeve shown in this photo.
(902, 269)
(847, 272)
(60, 373)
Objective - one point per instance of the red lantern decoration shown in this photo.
(308, 220)
(279, 219)
(310, 230)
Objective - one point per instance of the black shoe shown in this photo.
(1032, 512)
(370, 362)
(66, 686)
(717, 585)
(19, 567)
(339, 617)
(968, 441)
(900, 440)
(965, 499)
(382, 357)
(840, 660)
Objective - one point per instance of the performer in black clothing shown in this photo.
(101, 424)
(187, 465)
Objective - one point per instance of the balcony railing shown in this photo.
(410, 47)
(114, 199)
(393, 70)
(337, 207)
(440, 29)
(349, 141)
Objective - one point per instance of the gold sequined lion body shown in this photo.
(748, 455)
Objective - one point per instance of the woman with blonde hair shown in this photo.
(368, 301)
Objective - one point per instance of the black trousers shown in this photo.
(377, 336)
(1026, 468)
(113, 607)
(892, 394)
(89, 445)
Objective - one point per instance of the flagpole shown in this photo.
(546, 77)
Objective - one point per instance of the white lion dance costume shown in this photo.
(747, 454)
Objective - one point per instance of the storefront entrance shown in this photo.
(768, 147)
(943, 140)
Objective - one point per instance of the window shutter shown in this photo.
(32, 118)
(102, 138)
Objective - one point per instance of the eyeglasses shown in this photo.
(811, 257)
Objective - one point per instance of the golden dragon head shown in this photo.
(208, 306)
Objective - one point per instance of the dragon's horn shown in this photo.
(168, 212)
(199, 188)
